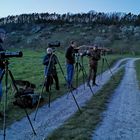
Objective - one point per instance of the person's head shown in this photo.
(49, 51)
(73, 44)
(2, 34)
(95, 47)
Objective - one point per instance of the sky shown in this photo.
(17, 7)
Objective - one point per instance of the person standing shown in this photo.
(70, 61)
(50, 60)
(94, 56)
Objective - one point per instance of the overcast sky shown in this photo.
(16, 7)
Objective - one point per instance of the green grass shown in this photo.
(137, 64)
(81, 125)
(30, 68)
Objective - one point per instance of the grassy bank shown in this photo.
(30, 68)
(137, 64)
(81, 126)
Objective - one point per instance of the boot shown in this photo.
(1, 115)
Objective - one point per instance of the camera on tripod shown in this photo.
(54, 44)
(103, 51)
(4, 55)
(76, 50)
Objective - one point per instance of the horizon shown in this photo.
(70, 6)
(70, 13)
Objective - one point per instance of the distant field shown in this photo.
(30, 68)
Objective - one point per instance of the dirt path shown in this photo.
(122, 118)
(51, 118)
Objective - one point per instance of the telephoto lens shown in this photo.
(10, 54)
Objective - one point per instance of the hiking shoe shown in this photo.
(94, 84)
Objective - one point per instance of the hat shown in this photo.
(49, 50)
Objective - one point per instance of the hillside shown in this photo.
(37, 30)
(32, 36)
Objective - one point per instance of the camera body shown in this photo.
(4, 55)
(76, 50)
(54, 44)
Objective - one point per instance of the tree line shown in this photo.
(92, 17)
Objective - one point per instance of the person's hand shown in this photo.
(81, 54)
(87, 52)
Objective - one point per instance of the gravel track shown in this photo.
(121, 121)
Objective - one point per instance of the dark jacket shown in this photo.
(70, 58)
(1, 60)
(50, 61)
(94, 56)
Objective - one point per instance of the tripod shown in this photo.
(80, 67)
(49, 65)
(44, 84)
(7, 73)
(103, 61)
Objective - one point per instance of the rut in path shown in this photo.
(51, 118)
(122, 118)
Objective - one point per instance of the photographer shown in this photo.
(70, 60)
(50, 61)
(2, 38)
(94, 55)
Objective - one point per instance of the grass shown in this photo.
(30, 68)
(81, 125)
(137, 64)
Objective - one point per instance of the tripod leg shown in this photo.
(30, 121)
(83, 73)
(75, 101)
(13, 81)
(102, 67)
(45, 81)
(49, 82)
(77, 75)
(49, 99)
(1, 77)
(39, 100)
(109, 68)
(70, 88)
(5, 102)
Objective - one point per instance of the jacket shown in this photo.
(94, 56)
(50, 60)
(70, 58)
